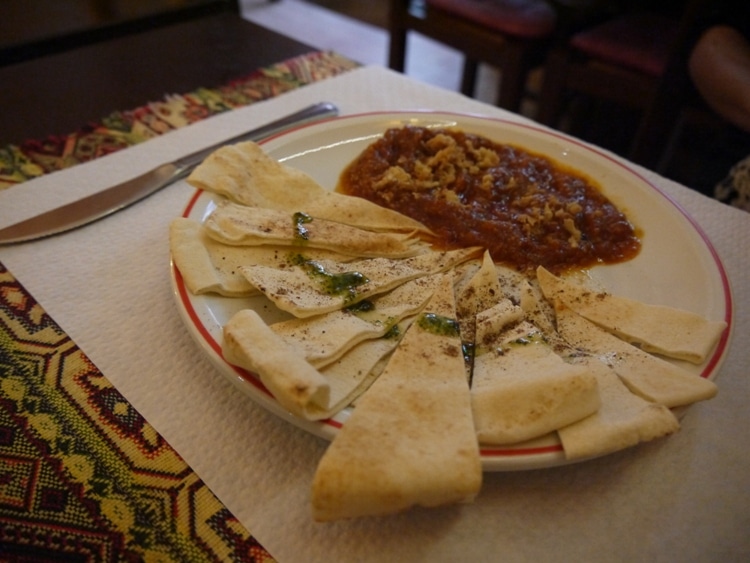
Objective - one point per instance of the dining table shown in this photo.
(66, 89)
(115, 421)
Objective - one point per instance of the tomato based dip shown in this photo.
(523, 207)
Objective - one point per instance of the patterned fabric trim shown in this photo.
(19, 163)
(83, 477)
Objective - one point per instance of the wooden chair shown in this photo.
(509, 34)
(636, 59)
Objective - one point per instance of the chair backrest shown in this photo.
(511, 35)
(35, 28)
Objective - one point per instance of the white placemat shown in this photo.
(686, 498)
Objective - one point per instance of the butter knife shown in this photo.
(106, 202)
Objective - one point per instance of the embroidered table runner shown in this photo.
(83, 476)
(122, 129)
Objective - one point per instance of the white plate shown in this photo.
(677, 265)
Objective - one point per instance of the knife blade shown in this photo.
(106, 202)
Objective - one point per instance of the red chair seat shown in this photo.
(639, 42)
(520, 18)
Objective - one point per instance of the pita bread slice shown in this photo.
(208, 266)
(493, 321)
(192, 254)
(245, 174)
(296, 385)
(321, 286)
(521, 389)
(240, 225)
(410, 440)
(658, 329)
(352, 374)
(622, 421)
(537, 308)
(325, 338)
(652, 378)
(510, 281)
(480, 292)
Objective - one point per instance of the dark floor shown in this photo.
(700, 158)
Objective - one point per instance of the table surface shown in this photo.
(686, 498)
(32, 28)
(59, 93)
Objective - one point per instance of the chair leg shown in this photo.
(469, 77)
(513, 78)
(398, 29)
(397, 50)
(659, 120)
(553, 88)
(652, 138)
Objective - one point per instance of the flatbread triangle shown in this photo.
(410, 440)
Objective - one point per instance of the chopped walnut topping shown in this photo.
(524, 208)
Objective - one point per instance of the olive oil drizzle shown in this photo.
(438, 324)
(301, 234)
(363, 306)
(468, 349)
(532, 338)
(344, 284)
(393, 333)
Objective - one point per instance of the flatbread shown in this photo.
(245, 174)
(208, 266)
(480, 292)
(650, 377)
(521, 389)
(622, 421)
(325, 338)
(410, 440)
(296, 385)
(235, 224)
(654, 328)
(352, 374)
(306, 290)
(193, 254)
